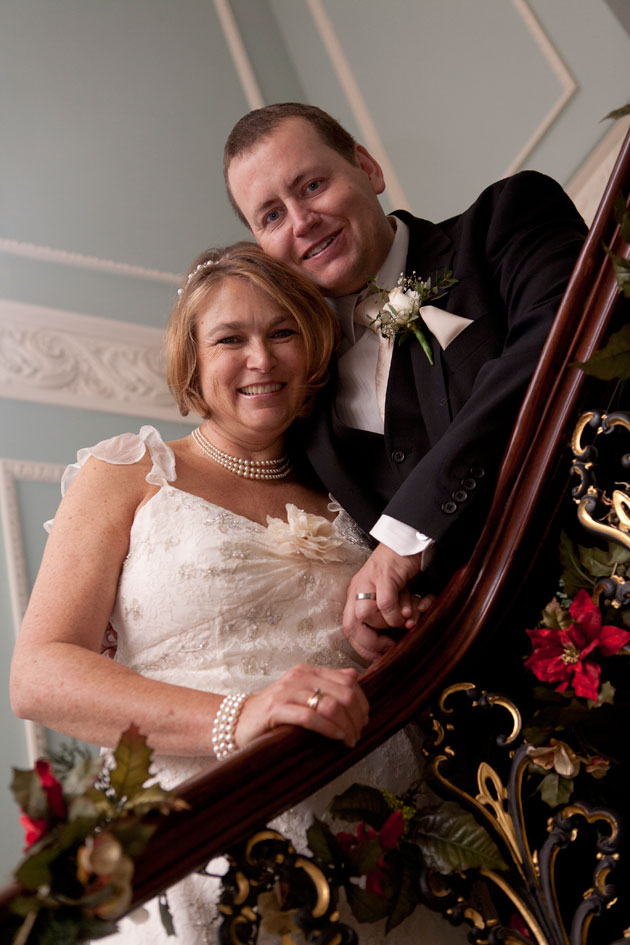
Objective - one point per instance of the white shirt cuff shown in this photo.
(403, 539)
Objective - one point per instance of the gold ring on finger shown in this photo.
(313, 701)
(366, 595)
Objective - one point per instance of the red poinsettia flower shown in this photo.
(560, 655)
(52, 788)
(35, 827)
(388, 836)
(33, 830)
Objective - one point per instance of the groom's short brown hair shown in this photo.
(260, 122)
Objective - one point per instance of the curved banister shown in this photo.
(234, 797)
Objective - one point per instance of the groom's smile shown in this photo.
(309, 207)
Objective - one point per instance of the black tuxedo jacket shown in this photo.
(447, 425)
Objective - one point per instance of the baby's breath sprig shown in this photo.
(399, 316)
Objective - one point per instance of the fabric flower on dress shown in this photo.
(560, 655)
(312, 536)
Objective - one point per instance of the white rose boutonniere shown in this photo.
(304, 533)
(399, 316)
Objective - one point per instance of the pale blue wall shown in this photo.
(113, 118)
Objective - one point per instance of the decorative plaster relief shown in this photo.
(57, 357)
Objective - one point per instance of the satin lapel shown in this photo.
(328, 447)
(430, 251)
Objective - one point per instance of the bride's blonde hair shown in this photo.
(294, 293)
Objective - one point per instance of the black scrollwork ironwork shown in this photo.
(528, 901)
(268, 882)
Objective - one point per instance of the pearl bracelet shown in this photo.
(225, 720)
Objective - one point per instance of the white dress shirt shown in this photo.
(355, 402)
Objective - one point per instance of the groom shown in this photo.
(415, 466)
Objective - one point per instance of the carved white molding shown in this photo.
(62, 358)
(81, 261)
(587, 184)
(10, 471)
(242, 62)
(369, 134)
(567, 82)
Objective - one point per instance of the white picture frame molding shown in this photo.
(12, 470)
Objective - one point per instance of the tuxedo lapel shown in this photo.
(430, 251)
(351, 462)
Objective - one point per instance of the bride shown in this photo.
(220, 564)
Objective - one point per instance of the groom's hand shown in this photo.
(385, 574)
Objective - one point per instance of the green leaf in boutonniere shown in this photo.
(399, 316)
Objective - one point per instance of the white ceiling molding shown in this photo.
(555, 61)
(242, 62)
(369, 134)
(10, 471)
(64, 257)
(71, 360)
(587, 184)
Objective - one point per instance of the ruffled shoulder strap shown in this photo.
(125, 449)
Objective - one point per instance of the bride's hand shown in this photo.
(338, 709)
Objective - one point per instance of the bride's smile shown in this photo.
(252, 367)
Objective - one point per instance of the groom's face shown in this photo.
(310, 208)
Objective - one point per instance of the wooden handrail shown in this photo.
(231, 799)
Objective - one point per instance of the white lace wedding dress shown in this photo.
(211, 600)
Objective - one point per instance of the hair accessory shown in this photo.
(247, 468)
(191, 275)
(313, 701)
(225, 720)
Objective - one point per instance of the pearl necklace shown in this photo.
(247, 468)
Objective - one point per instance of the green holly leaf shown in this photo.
(24, 905)
(606, 695)
(601, 562)
(152, 798)
(93, 805)
(451, 839)
(165, 915)
(366, 906)
(622, 217)
(34, 871)
(555, 617)
(618, 112)
(555, 790)
(405, 897)
(360, 802)
(29, 794)
(321, 841)
(366, 856)
(133, 759)
(612, 361)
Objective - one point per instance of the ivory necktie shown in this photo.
(364, 310)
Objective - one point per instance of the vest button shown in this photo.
(449, 507)
(469, 483)
(460, 495)
(399, 456)
(477, 472)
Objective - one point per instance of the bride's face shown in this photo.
(252, 365)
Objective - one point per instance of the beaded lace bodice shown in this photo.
(214, 601)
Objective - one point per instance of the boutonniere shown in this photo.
(399, 314)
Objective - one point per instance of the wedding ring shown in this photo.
(366, 595)
(313, 701)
